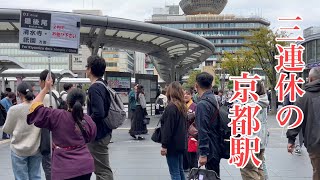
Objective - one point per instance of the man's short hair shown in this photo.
(11, 95)
(315, 73)
(220, 91)
(67, 86)
(97, 65)
(8, 90)
(204, 80)
(44, 73)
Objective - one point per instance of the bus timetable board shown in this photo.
(121, 83)
(150, 84)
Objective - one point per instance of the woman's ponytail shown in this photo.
(25, 90)
(29, 95)
(77, 111)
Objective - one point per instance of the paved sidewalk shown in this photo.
(141, 160)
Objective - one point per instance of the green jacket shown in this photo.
(132, 100)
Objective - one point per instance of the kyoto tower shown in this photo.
(193, 7)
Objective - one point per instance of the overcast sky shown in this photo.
(142, 9)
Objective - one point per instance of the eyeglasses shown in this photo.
(87, 66)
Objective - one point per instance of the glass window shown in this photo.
(313, 50)
(318, 50)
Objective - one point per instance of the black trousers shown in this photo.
(83, 177)
(190, 160)
(213, 165)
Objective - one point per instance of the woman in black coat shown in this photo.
(174, 130)
(138, 126)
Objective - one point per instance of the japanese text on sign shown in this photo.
(244, 121)
(290, 62)
(49, 32)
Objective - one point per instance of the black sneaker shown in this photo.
(135, 137)
(297, 151)
(140, 138)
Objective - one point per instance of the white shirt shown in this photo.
(46, 100)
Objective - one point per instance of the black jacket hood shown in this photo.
(313, 86)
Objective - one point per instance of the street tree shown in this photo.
(263, 44)
(241, 60)
(192, 78)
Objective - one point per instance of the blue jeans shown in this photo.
(175, 163)
(26, 168)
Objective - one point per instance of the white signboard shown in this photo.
(50, 32)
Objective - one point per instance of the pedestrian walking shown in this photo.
(7, 103)
(221, 98)
(99, 101)
(161, 102)
(45, 134)
(67, 87)
(25, 141)
(299, 139)
(174, 131)
(138, 127)
(250, 171)
(132, 101)
(190, 156)
(71, 131)
(309, 104)
(209, 151)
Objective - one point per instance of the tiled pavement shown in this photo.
(141, 160)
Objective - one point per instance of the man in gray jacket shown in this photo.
(309, 104)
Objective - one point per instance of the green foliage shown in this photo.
(217, 80)
(241, 60)
(230, 85)
(263, 44)
(192, 78)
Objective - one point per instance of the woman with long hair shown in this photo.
(71, 131)
(174, 130)
(25, 141)
(138, 126)
(190, 156)
(250, 171)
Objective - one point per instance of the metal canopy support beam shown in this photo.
(96, 44)
(189, 53)
(3, 83)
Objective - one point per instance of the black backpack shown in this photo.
(160, 103)
(221, 114)
(61, 104)
(3, 115)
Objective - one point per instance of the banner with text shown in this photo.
(50, 32)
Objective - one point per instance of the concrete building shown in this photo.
(173, 9)
(33, 60)
(149, 67)
(311, 55)
(118, 60)
(139, 63)
(79, 61)
(225, 31)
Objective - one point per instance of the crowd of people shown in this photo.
(189, 128)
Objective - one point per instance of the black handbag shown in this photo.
(146, 120)
(202, 174)
(45, 142)
(156, 136)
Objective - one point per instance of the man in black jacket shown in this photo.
(98, 108)
(309, 103)
(208, 136)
